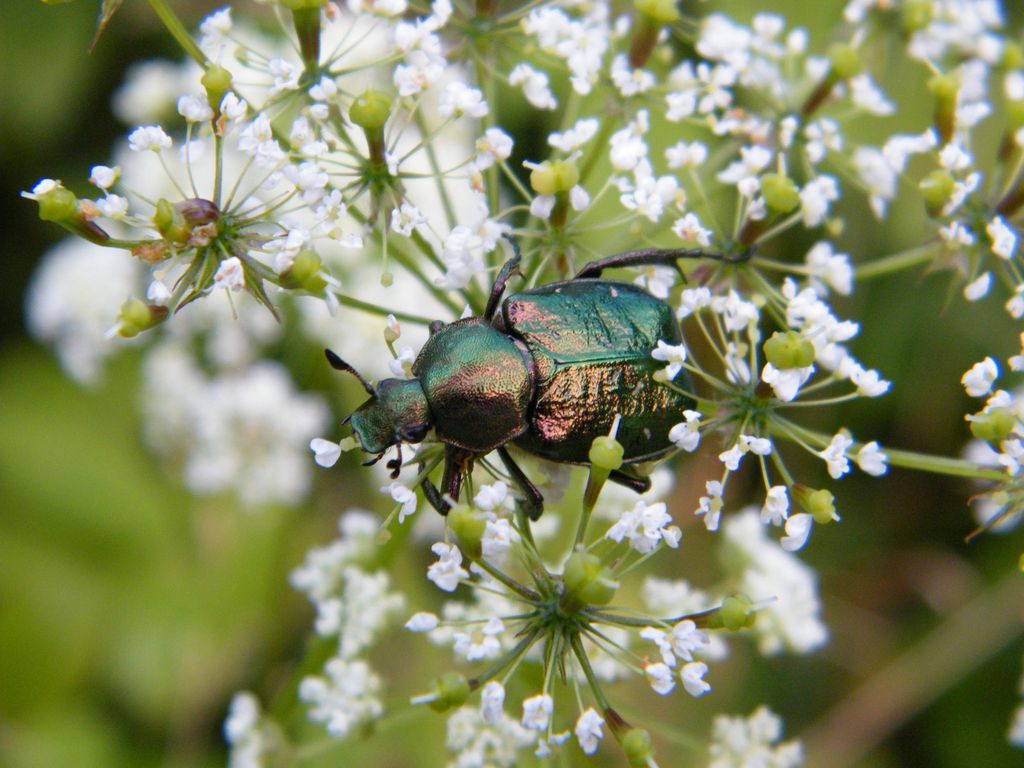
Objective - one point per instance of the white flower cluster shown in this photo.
(738, 742)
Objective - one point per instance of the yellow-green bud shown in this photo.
(660, 12)
(451, 690)
(370, 110)
(587, 581)
(638, 748)
(549, 178)
(170, 222)
(606, 453)
(137, 316)
(944, 87)
(994, 425)
(937, 189)
(916, 14)
(58, 205)
(468, 528)
(788, 350)
(304, 273)
(736, 612)
(780, 192)
(820, 504)
(845, 60)
(216, 81)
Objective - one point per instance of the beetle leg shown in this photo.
(635, 483)
(432, 495)
(665, 256)
(534, 502)
(498, 289)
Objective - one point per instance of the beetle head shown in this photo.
(397, 413)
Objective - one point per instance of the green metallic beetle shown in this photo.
(546, 370)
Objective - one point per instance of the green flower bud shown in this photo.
(549, 178)
(736, 612)
(137, 316)
(780, 193)
(944, 87)
(993, 426)
(58, 205)
(606, 453)
(916, 14)
(216, 81)
(450, 691)
(304, 273)
(660, 12)
(468, 528)
(1013, 55)
(937, 189)
(788, 350)
(370, 110)
(170, 222)
(587, 581)
(637, 746)
(820, 504)
(845, 60)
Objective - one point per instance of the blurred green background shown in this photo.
(130, 612)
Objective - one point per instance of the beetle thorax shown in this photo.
(478, 384)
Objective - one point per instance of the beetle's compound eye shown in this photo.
(414, 434)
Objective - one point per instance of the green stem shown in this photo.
(581, 657)
(895, 262)
(527, 594)
(173, 24)
(373, 309)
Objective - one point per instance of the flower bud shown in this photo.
(606, 453)
(916, 14)
(820, 504)
(946, 89)
(58, 205)
(780, 193)
(937, 190)
(660, 12)
(637, 746)
(994, 425)
(468, 528)
(736, 613)
(370, 110)
(788, 350)
(216, 81)
(170, 222)
(845, 60)
(137, 316)
(549, 178)
(588, 581)
(304, 273)
(450, 691)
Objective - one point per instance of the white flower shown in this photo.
(534, 84)
(689, 230)
(574, 138)
(1004, 239)
(866, 95)
(872, 460)
(645, 525)
(776, 505)
(243, 733)
(345, 699)
(458, 99)
(674, 355)
(492, 497)
(685, 435)
(815, 198)
(482, 643)
(148, 138)
(738, 742)
(979, 379)
(103, 176)
(828, 268)
(786, 383)
(496, 540)
(660, 677)
(422, 622)
(403, 496)
(492, 702)
(692, 676)
(588, 730)
(447, 572)
(406, 218)
(401, 366)
(978, 289)
(495, 145)
(537, 711)
(687, 639)
(230, 275)
(194, 108)
(710, 506)
(798, 529)
(835, 455)
(326, 452)
(732, 457)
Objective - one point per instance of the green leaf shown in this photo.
(107, 11)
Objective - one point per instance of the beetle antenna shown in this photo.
(340, 365)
